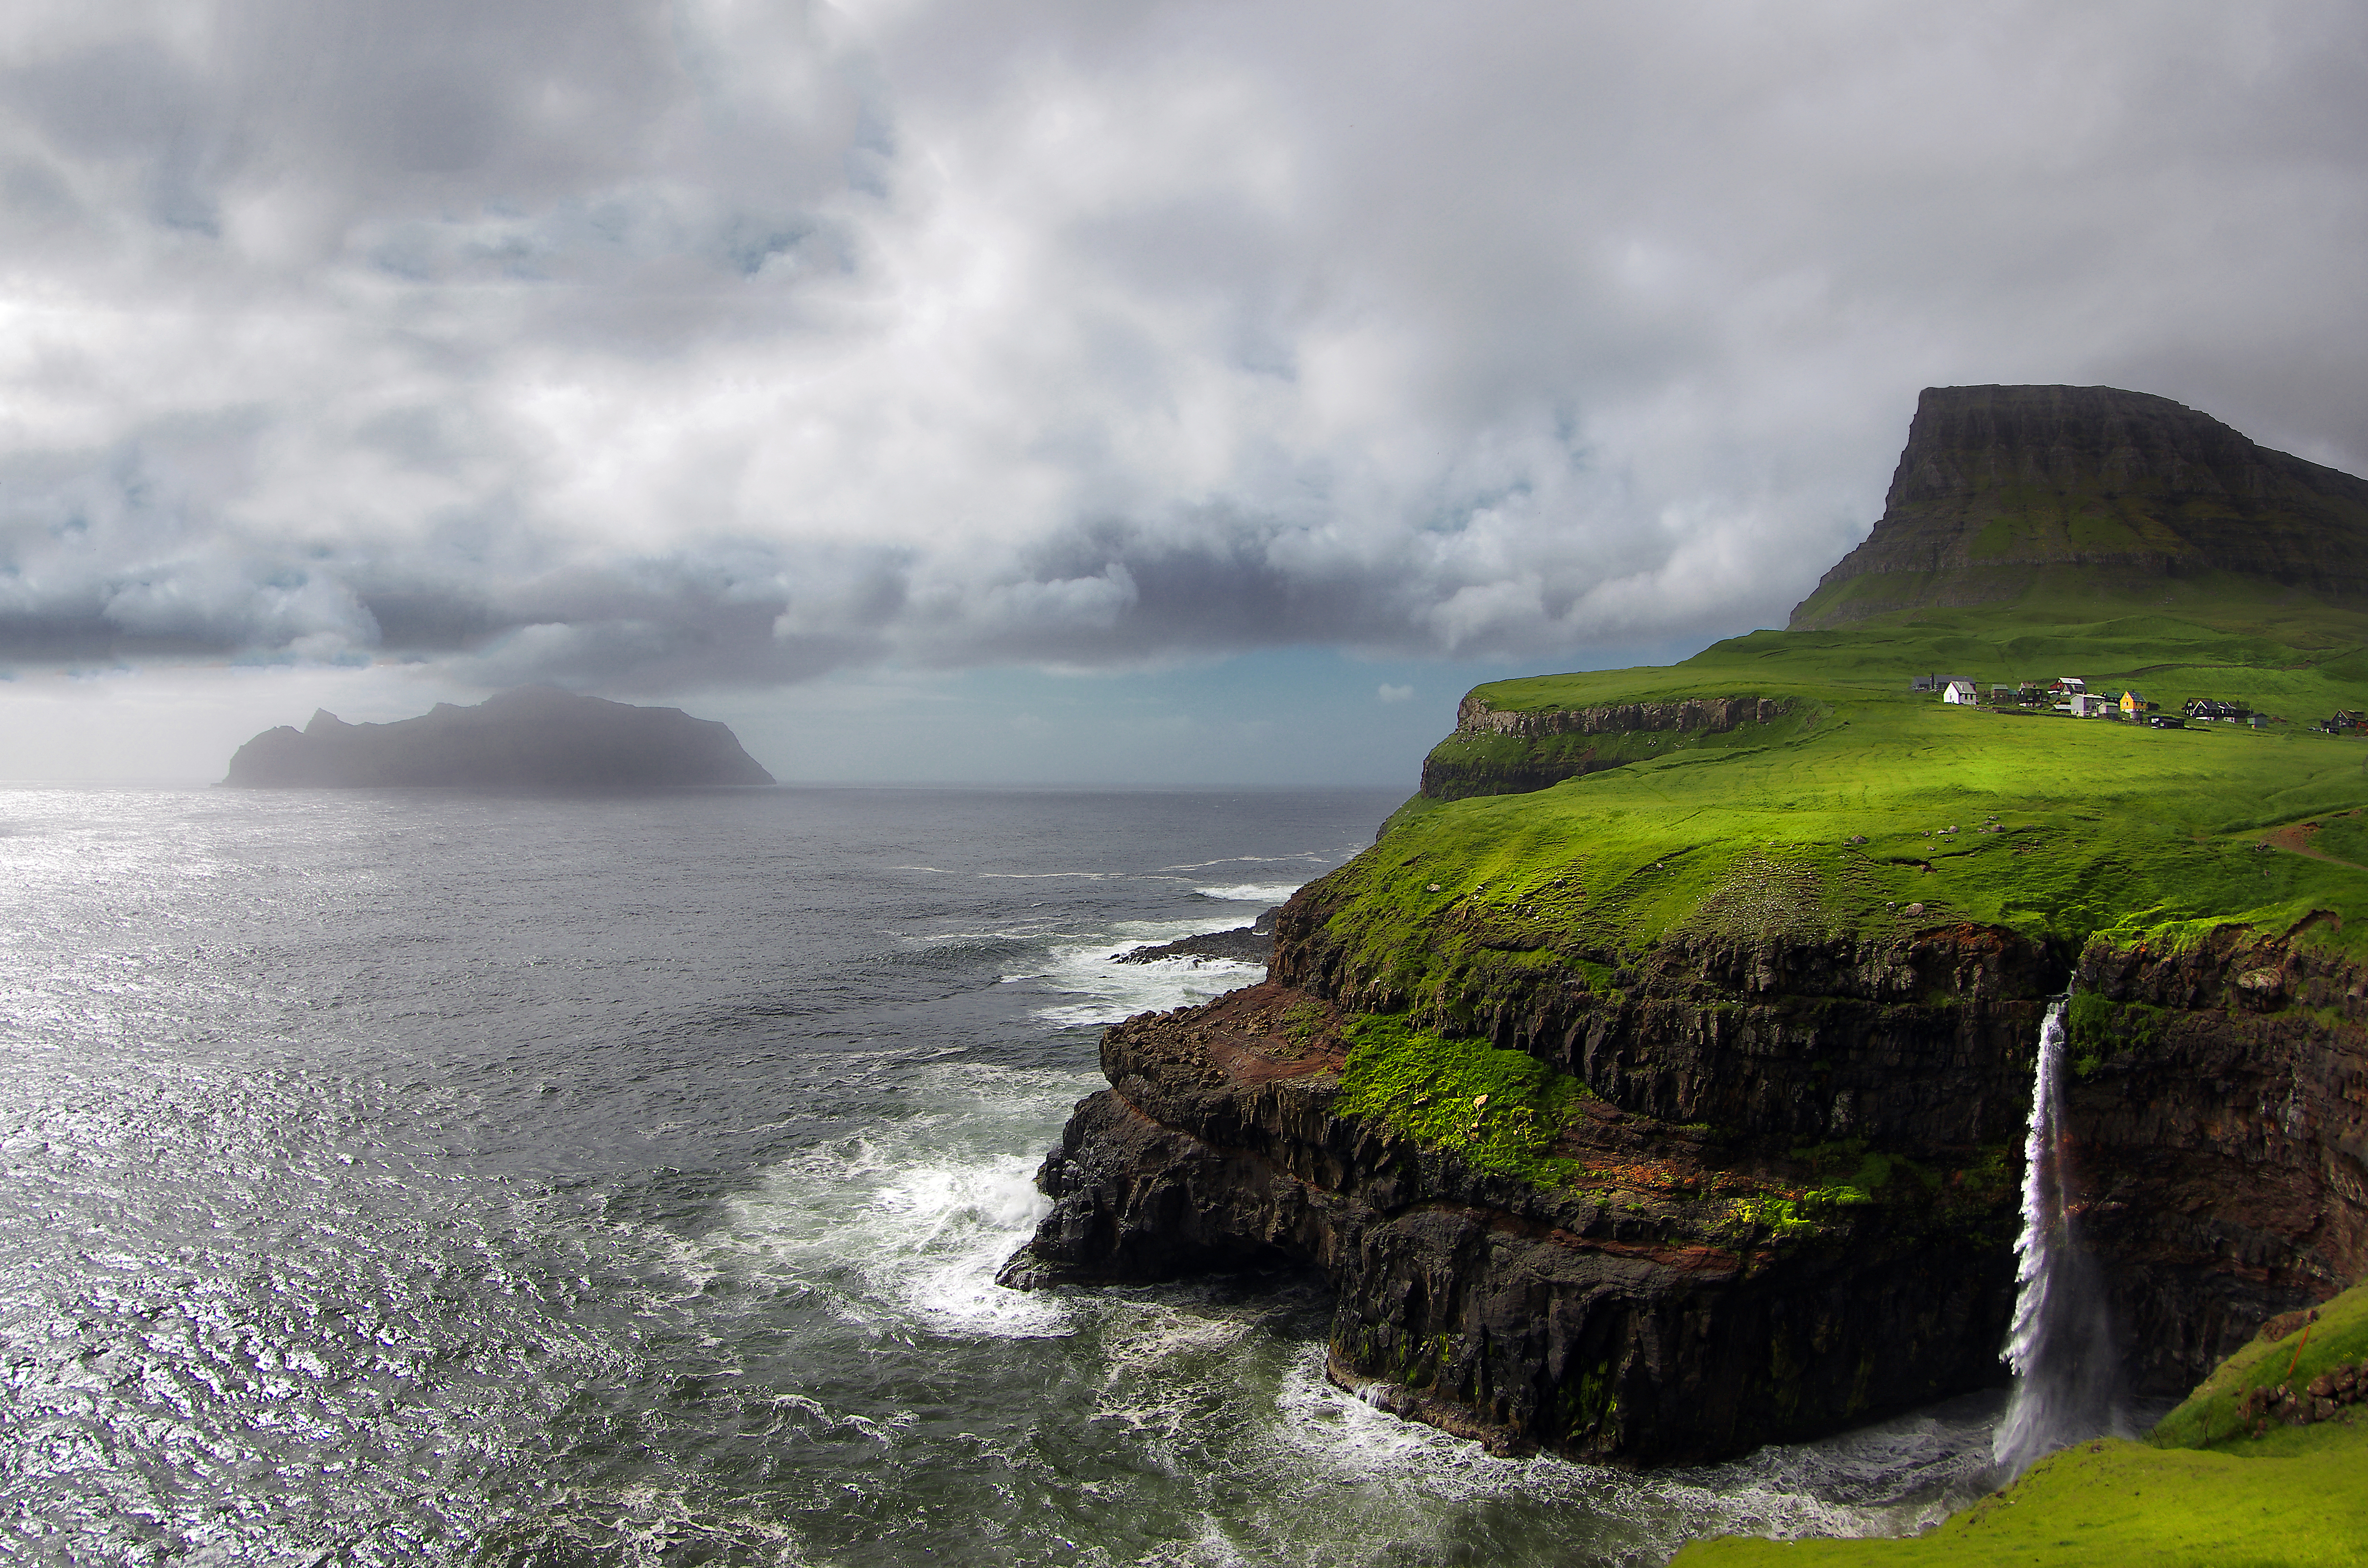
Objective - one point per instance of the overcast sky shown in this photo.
(1109, 392)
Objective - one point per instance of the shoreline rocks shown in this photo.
(1253, 943)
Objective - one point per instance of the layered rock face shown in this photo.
(1715, 714)
(1921, 1044)
(1446, 776)
(1633, 1323)
(530, 736)
(1674, 1312)
(2222, 1120)
(1999, 487)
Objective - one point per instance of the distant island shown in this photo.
(530, 736)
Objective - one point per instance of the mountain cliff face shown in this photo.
(531, 735)
(2004, 492)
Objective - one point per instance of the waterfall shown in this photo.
(2062, 1343)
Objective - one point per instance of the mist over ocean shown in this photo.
(439, 1176)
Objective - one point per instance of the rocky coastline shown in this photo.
(1670, 1111)
(1708, 1289)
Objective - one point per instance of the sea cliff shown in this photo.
(1654, 1085)
(1784, 1201)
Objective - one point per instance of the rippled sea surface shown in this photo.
(439, 1177)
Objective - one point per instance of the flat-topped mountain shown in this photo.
(533, 735)
(2033, 493)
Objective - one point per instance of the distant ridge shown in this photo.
(530, 735)
(2009, 493)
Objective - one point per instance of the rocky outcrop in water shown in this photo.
(1253, 943)
(530, 736)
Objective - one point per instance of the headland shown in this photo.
(1654, 1086)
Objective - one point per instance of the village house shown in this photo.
(2135, 705)
(1961, 692)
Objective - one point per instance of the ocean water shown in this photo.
(444, 1177)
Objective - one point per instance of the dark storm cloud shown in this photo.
(651, 346)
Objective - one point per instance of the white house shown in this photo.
(1960, 691)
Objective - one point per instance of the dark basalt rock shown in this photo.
(1253, 943)
(2219, 1135)
(1241, 943)
(2220, 1119)
(1633, 1324)
(531, 735)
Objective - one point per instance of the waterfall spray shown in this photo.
(2061, 1345)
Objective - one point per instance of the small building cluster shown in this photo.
(2070, 694)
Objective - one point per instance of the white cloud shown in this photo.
(655, 346)
(1389, 693)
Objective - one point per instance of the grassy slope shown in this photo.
(2108, 827)
(2140, 834)
(2298, 1495)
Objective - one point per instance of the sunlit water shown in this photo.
(445, 1178)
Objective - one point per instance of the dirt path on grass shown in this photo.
(2295, 838)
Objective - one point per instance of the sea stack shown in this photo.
(533, 735)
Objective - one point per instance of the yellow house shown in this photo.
(2132, 705)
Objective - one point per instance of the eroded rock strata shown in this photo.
(1690, 1297)
(2221, 1106)
(1633, 1318)
(1446, 776)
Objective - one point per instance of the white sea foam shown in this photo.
(911, 1220)
(1107, 990)
(1892, 1478)
(1304, 857)
(1251, 892)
